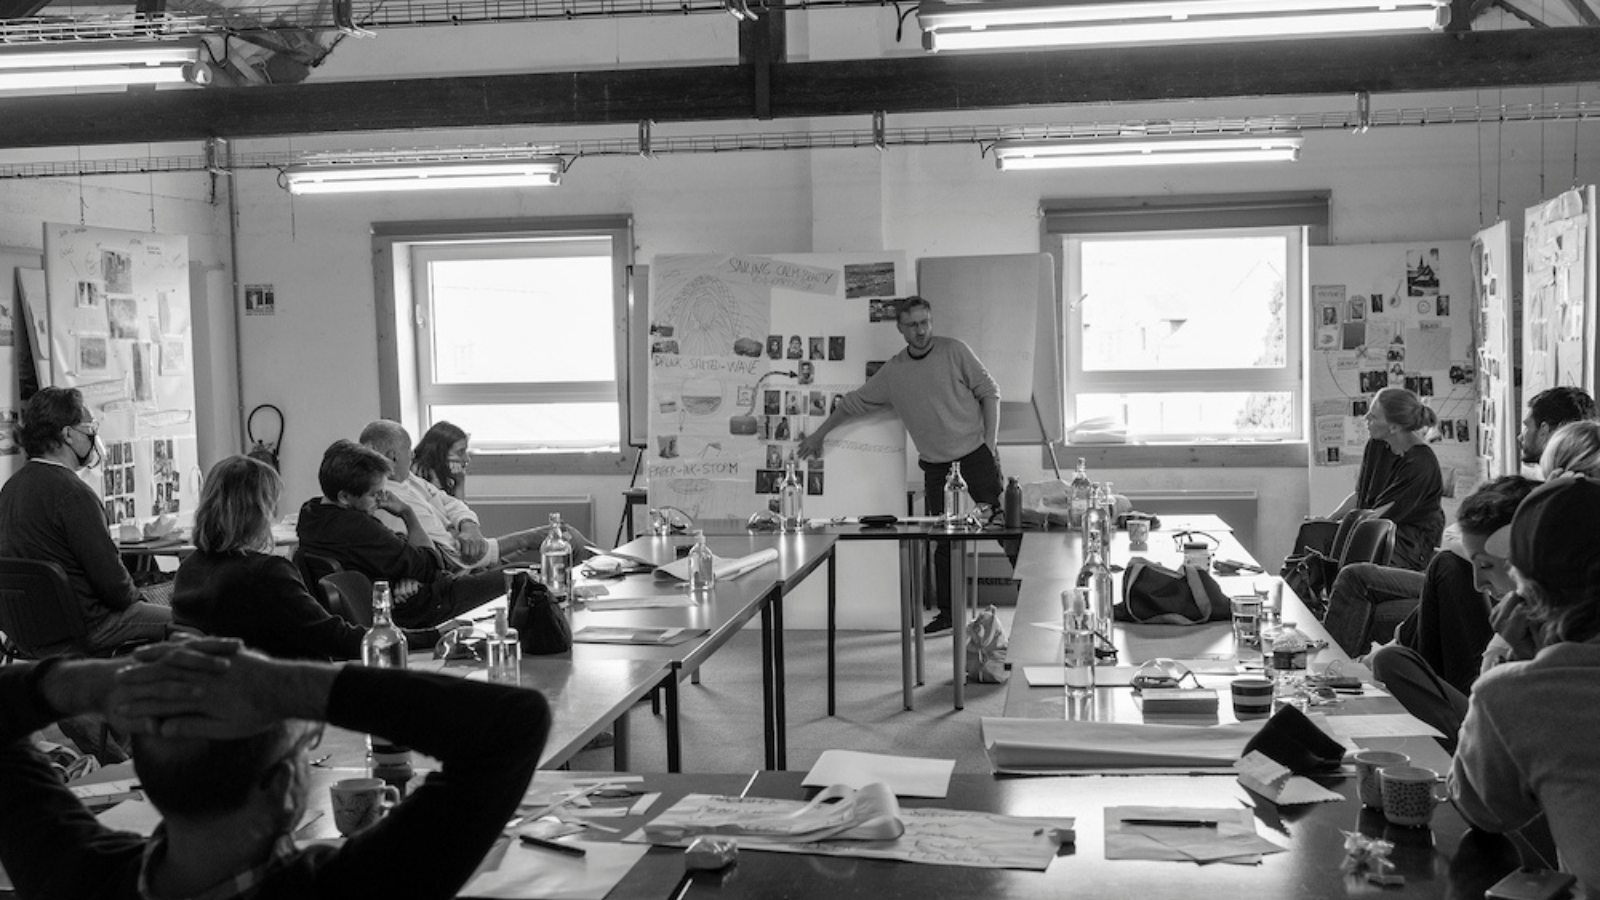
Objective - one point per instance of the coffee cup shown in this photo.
(1252, 698)
(360, 802)
(1138, 533)
(1368, 764)
(1408, 794)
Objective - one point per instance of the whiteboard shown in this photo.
(1004, 308)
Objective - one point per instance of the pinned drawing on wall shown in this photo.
(93, 353)
(260, 300)
(1422, 272)
(875, 279)
(1558, 246)
(122, 314)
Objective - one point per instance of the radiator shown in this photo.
(1236, 507)
(503, 515)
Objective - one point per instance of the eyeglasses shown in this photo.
(1192, 537)
(88, 429)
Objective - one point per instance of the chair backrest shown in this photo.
(1347, 527)
(38, 608)
(313, 568)
(349, 596)
(1370, 541)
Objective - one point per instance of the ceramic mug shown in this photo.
(360, 802)
(1138, 533)
(1252, 698)
(1408, 794)
(1368, 763)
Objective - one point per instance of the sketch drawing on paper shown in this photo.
(710, 314)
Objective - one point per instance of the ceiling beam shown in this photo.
(1390, 64)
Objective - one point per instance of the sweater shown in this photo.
(487, 739)
(938, 397)
(1527, 747)
(48, 513)
(260, 599)
(1412, 484)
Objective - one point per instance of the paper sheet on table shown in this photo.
(658, 637)
(906, 776)
(137, 816)
(1267, 777)
(941, 837)
(1371, 726)
(1056, 676)
(1043, 746)
(725, 568)
(674, 601)
(1233, 840)
(513, 870)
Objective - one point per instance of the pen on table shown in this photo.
(681, 890)
(1173, 823)
(568, 849)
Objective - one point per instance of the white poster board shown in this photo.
(120, 332)
(1390, 314)
(1558, 293)
(747, 355)
(15, 328)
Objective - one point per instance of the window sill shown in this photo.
(601, 462)
(1245, 455)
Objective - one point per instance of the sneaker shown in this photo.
(940, 623)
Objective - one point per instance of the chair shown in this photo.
(38, 609)
(349, 596)
(313, 568)
(1370, 541)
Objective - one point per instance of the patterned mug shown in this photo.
(1408, 794)
(1368, 763)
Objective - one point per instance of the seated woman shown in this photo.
(441, 458)
(1527, 748)
(235, 587)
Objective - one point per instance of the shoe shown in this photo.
(940, 623)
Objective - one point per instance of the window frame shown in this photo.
(1286, 378)
(404, 396)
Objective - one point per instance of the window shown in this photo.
(515, 336)
(1185, 332)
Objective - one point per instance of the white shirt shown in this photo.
(440, 514)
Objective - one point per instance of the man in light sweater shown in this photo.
(951, 407)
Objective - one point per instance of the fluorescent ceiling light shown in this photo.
(1000, 24)
(349, 178)
(48, 65)
(1164, 150)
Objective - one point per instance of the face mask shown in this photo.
(93, 457)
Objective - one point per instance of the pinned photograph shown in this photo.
(1371, 383)
(262, 300)
(780, 429)
(1463, 431)
(814, 484)
(767, 481)
(774, 346)
(1461, 373)
(817, 348)
(93, 352)
(1422, 272)
(796, 350)
(814, 463)
(1358, 408)
(90, 295)
(792, 401)
(833, 403)
(1425, 386)
(772, 402)
(868, 279)
(117, 267)
(122, 316)
(819, 403)
(1441, 305)
(874, 366)
(1332, 455)
(808, 371)
(8, 432)
(774, 456)
(1377, 303)
(882, 311)
(1358, 309)
(1447, 429)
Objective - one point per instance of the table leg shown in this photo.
(833, 631)
(919, 600)
(780, 703)
(768, 717)
(619, 750)
(958, 629)
(674, 739)
(908, 614)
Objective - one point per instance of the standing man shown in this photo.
(951, 407)
(48, 513)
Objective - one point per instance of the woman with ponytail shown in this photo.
(1528, 743)
(1400, 479)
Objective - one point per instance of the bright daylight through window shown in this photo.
(1186, 335)
(516, 341)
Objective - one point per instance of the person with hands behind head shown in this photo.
(235, 586)
(341, 525)
(950, 406)
(220, 739)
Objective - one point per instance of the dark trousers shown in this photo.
(981, 470)
(448, 596)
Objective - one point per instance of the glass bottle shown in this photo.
(1095, 578)
(384, 647)
(1108, 522)
(702, 568)
(955, 499)
(555, 560)
(1094, 531)
(505, 652)
(1078, 495)
(1077, 625)
(792, 497)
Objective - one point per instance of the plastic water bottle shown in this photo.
(505, 652)
(384, 647)
(555, 560)
(1013, 504)
(792, 498)
(955, 500)
(702, 568)
(1078, 495)
(1078, 642)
